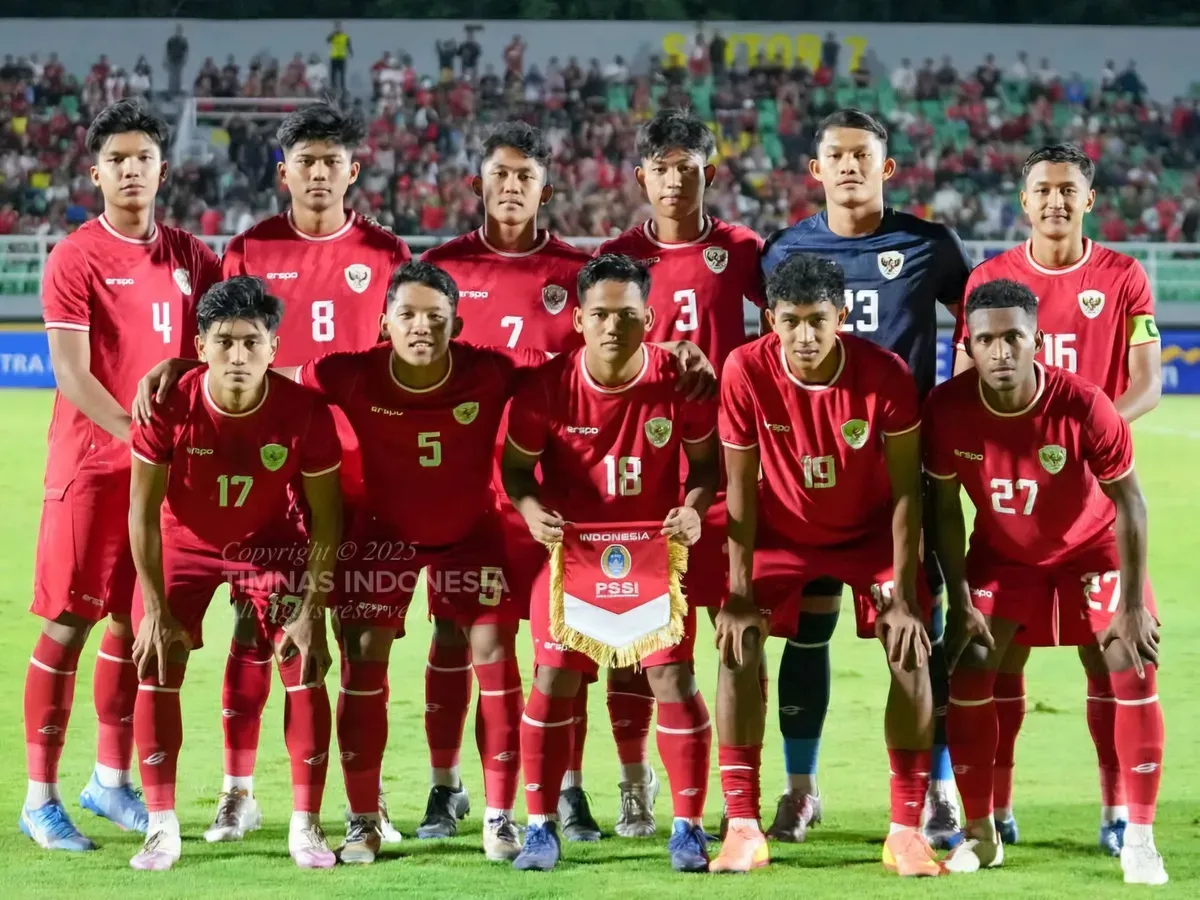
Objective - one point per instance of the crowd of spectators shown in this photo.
(959, 134)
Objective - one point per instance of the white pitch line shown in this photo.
(1167, 432)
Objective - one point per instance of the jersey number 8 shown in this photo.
(322, 320)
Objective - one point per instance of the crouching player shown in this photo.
(822, 447)
(608, 427)
(222, 452)
(426, 411)
(1060, 520)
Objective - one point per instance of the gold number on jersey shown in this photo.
(819, 471)
(688, 319)
(429, 441)
(245, 482)
(1092, 585)
(322, 320)
(1002, 492)
(623, 476)
(867, 304)
(516, 323)
(162, 320)
(1059, 351)
(491, 585)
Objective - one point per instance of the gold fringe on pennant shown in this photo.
(630, 654)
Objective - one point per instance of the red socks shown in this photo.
(114, 691)
(243, 698)
(685, 745)
(1010, 714)
(362, 728)
(498, 730)
(546, 738)
(1101, 720)
(306, 729)
(909, 784)
(971, 732)
(1139, 739)
(447, 696)
(158, 731)
(740, 780)
(49, 691)
(630, 709)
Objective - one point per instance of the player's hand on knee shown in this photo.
(683, 525)
(155, 637)
(1135, 632)
(739, 629)
(904, 638)
(963, 626)
(305, 635)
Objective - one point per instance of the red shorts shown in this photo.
(1062, 605)
(548, 652)
(706, 583)
(782, 569)
(191, 577)
(466, 582)
(83, 564)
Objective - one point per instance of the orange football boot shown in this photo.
(744, 848)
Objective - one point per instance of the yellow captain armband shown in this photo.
(1142, 330)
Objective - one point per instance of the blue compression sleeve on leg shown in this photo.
(804, 691)
(940, 769)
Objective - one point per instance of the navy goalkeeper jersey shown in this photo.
(894, 279)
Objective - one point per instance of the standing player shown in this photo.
(1096, 313)
(517, 290)
(898, 268)
(823, 453)
(704, 272)
(1060, 521)
(331, 269)
(588, 418)
(118, 297)
(426, 410)
(222, 454)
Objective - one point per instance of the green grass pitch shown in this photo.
(1056, 792)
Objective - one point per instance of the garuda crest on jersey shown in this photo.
(465, 413)
(658, 431)
(856, 432)
(273, 456)
(183, 281)
(1053, 458)
(1091, 302)
(554, 298)
(890, 263)
(716, 258)
(358, 277)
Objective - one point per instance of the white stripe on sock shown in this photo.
(536, 724)
(45, 668)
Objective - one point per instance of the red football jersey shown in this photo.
(137, 301)
(514, 299)
(426, 453)
(697, 288)
(1033, 476)
(1084, 309)
(230, 473)
(824, 475)
(334, 287)
(608, 454)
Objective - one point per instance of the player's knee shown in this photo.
(1118, 658)
(618, 677)
(557, 682)
(68, 629)
(673, 683)
(1093, 659)
(813, 631)
(490, 644)
(1016, 656)
(820, 603)
(448, 633)
(245, 625)
(120, 625)
(367, 644)
(977, 656)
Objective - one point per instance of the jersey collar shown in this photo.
(648, 231)
(212, 404)
(425, 390)
(841, 348)
(1041, 389)
(108, 226)
(600, 388)
(543, 240)
(351, 216)
(1042, 270)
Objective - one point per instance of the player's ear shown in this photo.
(477, 186)
(355, 168)
(843, 314)
(162, 173)
(456, 328)
(281, 171)
(94, 174)
(640, 174)
(274, 346)
(1091, 200)
(383, 325)
(769, 318)
(577, 318)
(710, 172)
(649, 316)
(814, 168)
(199, 339)
(889, 168)
(1039, 340)
(547, 193)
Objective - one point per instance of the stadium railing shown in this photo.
(1173, 269)
(192, 137)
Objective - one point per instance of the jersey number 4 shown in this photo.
(161, 313)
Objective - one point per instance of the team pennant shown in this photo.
(616, 592)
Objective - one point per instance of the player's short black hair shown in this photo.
(519, 136)
(124, 117)
(1003, 294)
(1060, 153)
(613, 267)
(849, 118)
(241, 297)
(804, 279)
(426, 273)
(323, 122)
(672, 129)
